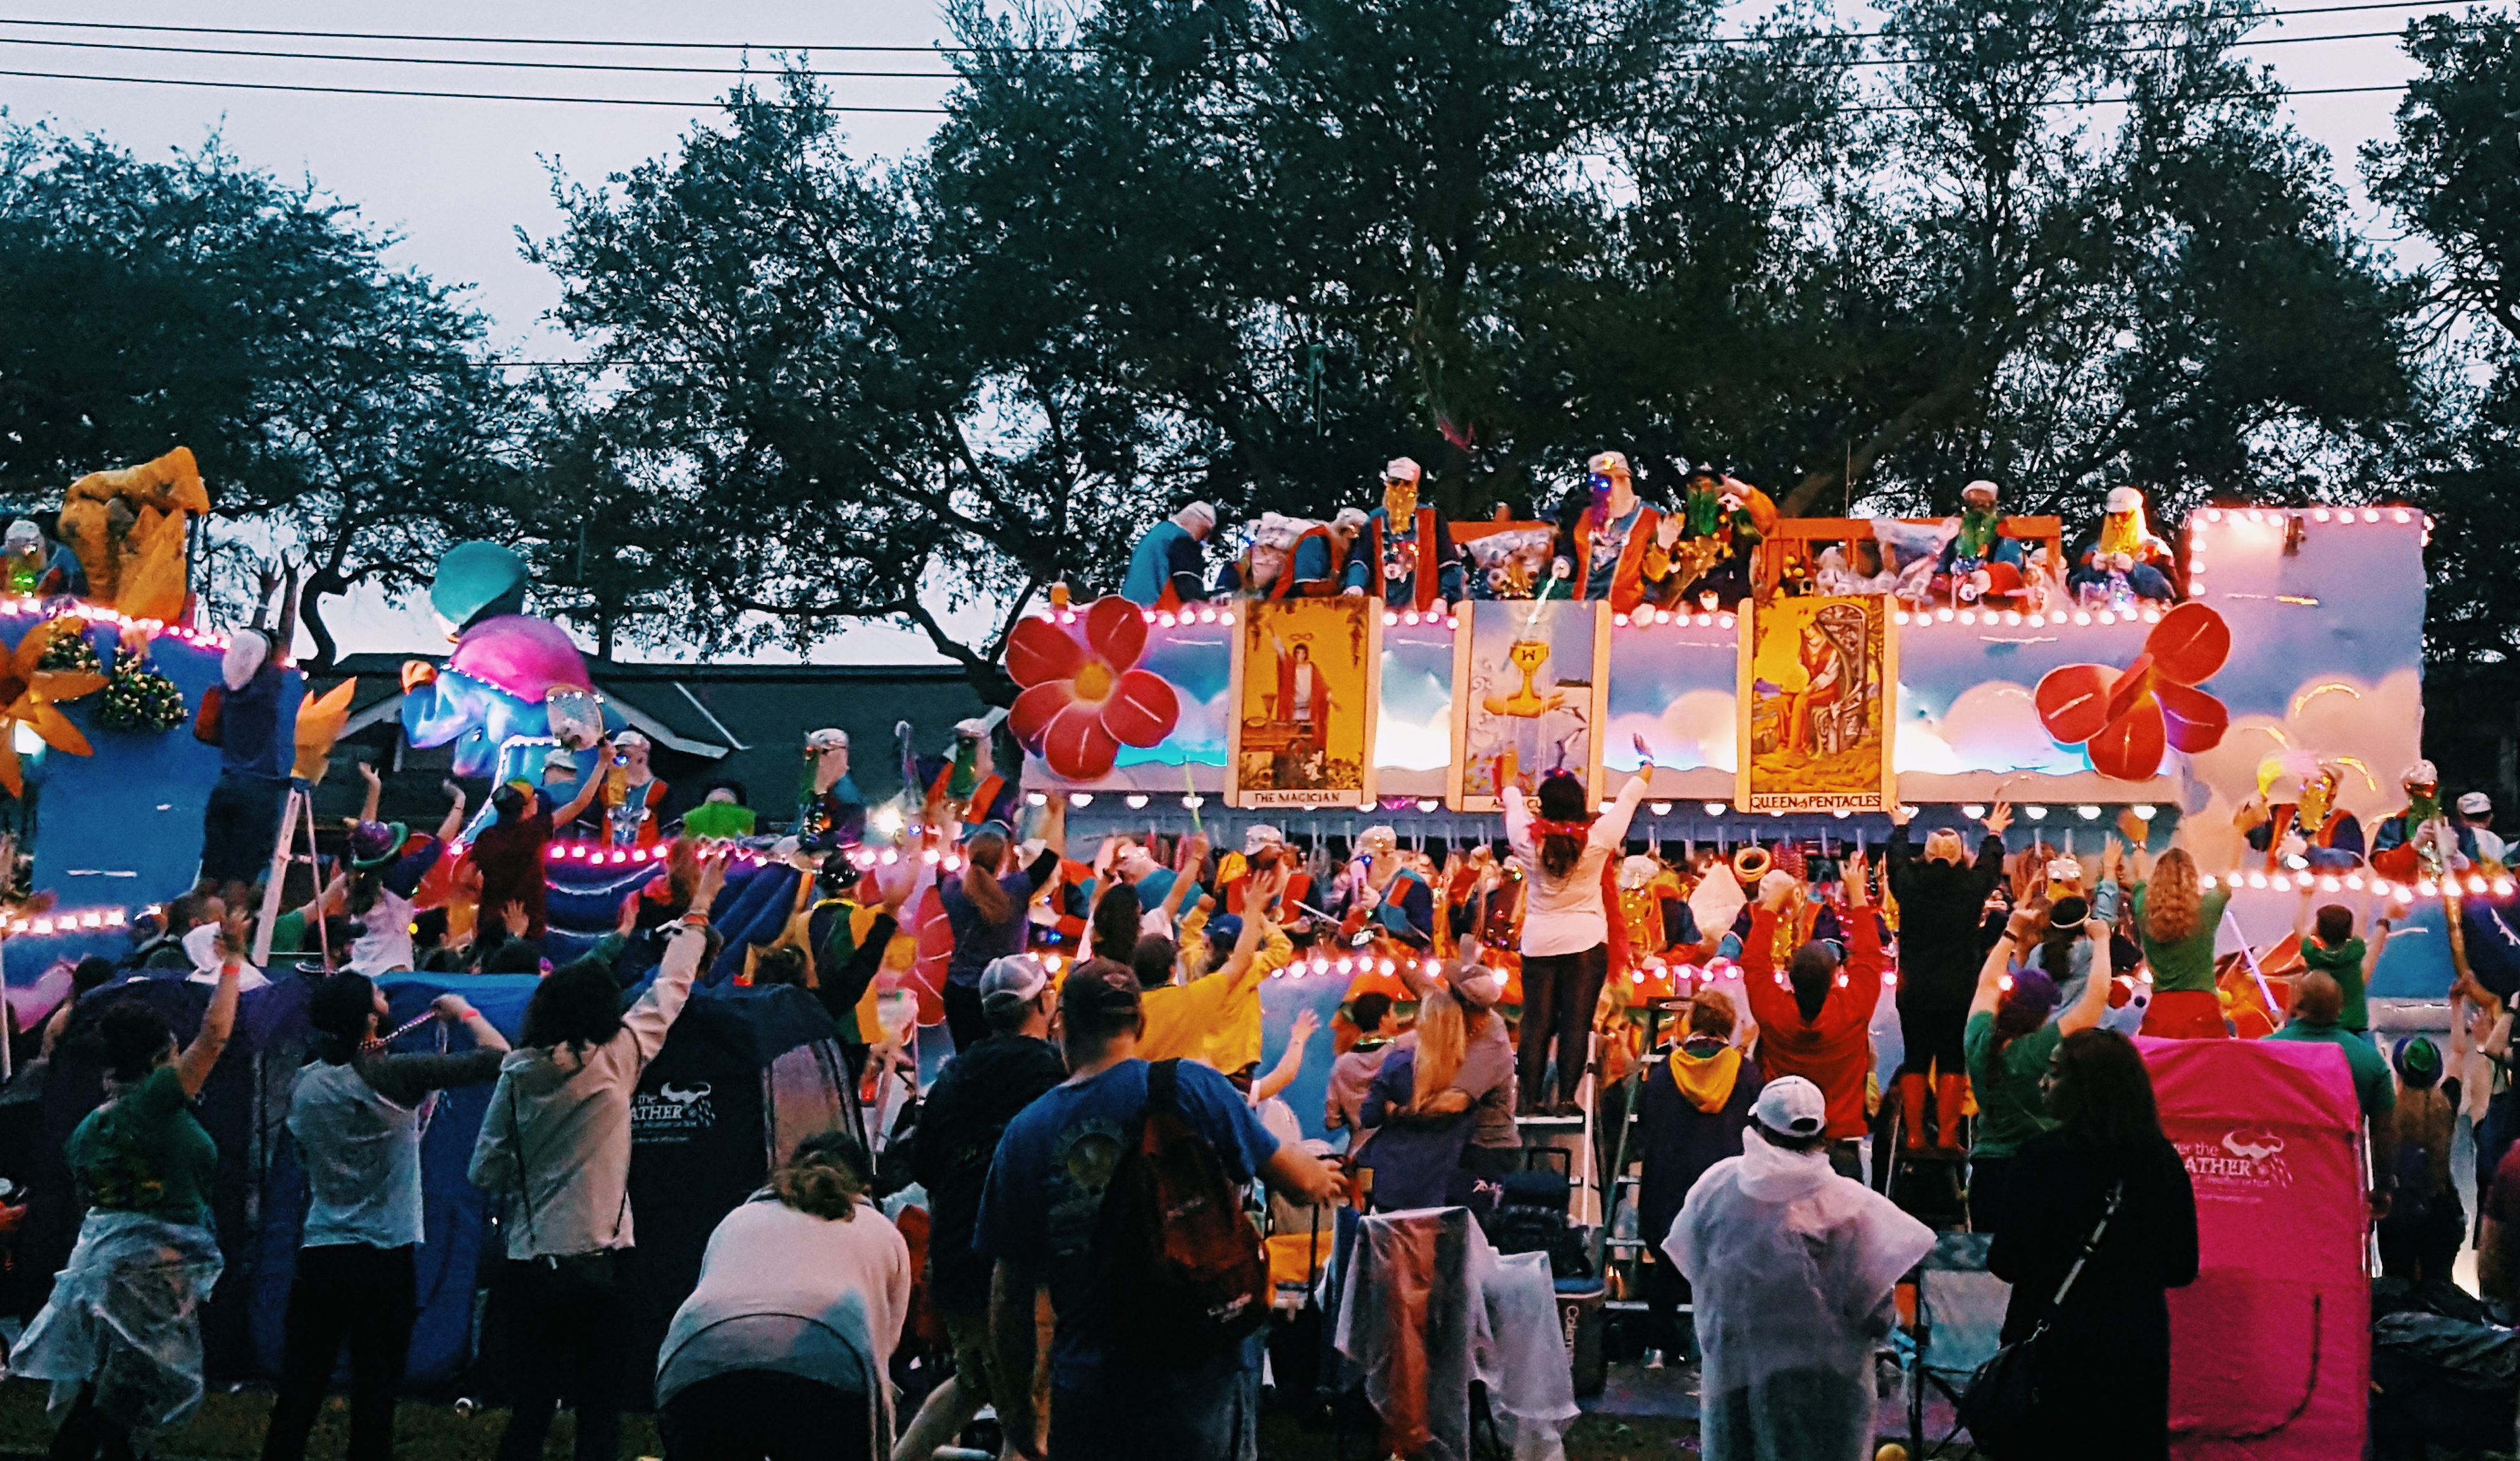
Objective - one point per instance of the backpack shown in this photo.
(1173, 1252)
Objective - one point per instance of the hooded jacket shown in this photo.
(554, 1152)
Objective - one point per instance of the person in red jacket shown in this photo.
(1815, 1015)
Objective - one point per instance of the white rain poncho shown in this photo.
(125, 1316)
(1792, 1267)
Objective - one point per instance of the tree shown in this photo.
(2451, 175)
(331, 400)
(831, 413)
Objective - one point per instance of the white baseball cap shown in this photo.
(1259, 835)
(2124, 500)
(2475, 804)
(1606, 462)
(1791, 1106)
(2421, 773)
(1401, 469)
(1980, 486)
(1014, 979)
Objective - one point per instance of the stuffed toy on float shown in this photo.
(515, 689)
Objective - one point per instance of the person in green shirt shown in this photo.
(2009, 1040)
(2332, 950)
(128, 1303)
(2177, 918)
(2317, 1004)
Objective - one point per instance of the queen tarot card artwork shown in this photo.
(1817, 697)
(1529, 680)
(1303, 729)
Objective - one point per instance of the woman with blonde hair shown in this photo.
(2176, 919)
(1419, 1108)
(784, 1346)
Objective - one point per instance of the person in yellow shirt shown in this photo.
(1215, 1019)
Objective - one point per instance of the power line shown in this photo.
(449, 96)
(514, 40)
(737, 70)
(465, 61)
(1887, 33)
(707, 105)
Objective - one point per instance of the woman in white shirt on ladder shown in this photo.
(1564, 852)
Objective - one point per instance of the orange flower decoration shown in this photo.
(31, 696)
(2126, 720)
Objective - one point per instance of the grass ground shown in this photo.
(229, 1428)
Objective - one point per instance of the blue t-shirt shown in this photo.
(1045, 1194)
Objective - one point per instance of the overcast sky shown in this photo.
(456, 178)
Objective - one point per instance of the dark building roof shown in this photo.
(744, 723)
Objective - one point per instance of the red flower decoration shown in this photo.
(2124, 719)
(1083, 701)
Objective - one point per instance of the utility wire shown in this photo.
(742, 71)
(2269, 14)
(449, 96)
(832, 106)
(542, 65)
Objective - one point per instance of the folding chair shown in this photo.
(1952, 1311)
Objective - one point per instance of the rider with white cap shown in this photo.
(1405, 549)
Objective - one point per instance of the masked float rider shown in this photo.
(1800, 918)
(2409, 844)
(830, 812)
(1168, 566)
(2330, 838)
(1265, 846)
(1392, 901)
(1404, 548)
(2125, 546)
(966, 779)
(631, 795)
(1615, 550)
(1980, 564)
(1721, 523)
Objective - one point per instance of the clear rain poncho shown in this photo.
(125, 1316)
(1792, 1268)
(1427, 1307)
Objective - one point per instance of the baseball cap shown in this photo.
(1791, 1106)
(1014, 979)
(2475, 804)
(1099, 987)
(1476, 986)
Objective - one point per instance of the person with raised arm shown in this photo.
(553, 1154)
(120, 1339)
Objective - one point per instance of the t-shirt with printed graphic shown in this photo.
(1045, 1194)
